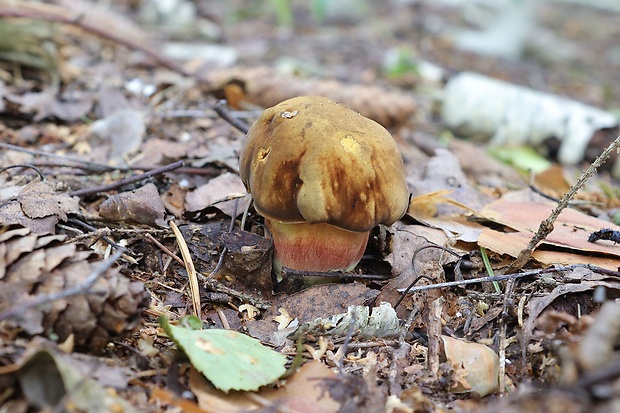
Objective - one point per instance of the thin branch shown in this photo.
(214, 285)
(333, 274)
(89, 227)
(103, 232)
(221, 109)
(21, 165)
(509, 277)
(415, 254)
(164, 249)
(127, 181)
(546, 226)
(78, 289)
(92, 166)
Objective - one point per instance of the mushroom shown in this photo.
(322, 176)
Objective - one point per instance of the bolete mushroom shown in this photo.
(322, 176)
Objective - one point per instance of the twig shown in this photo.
(21, 165)
(164, 249)
(415, 254)
(102, 232)
(220, 261)
(221, 109)
(245, 213)
(97, 167)
(81, 288)
(503, 325)
(371, 344)
(333, 274)
(127, 181)
(93, 229)
(508, 277)
(212, 284)
(86, 170)
(535, 189)
(546, 226)
(412, 315)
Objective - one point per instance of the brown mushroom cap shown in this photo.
(310, 159)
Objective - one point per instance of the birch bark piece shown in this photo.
(508, 114)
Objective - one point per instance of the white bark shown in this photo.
(475, 105)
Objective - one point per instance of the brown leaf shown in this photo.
(216, 189)
(39, 103)
(408, 239)
(39, 200)
(570, 234)
(303, 393)
(478, 366)
(142, 205)
(247, 265)
(315, 302)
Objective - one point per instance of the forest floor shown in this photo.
(122, 212)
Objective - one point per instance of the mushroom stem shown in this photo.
(315, 247)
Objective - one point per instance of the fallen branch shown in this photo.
(512, 276)
(222, 110)
(127, 181)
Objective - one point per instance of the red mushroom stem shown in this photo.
(315, 247)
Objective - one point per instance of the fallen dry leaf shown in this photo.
(570, 234)
(302, 393)
(142, 205)
(37, 206)
(424, 209)
(217, 189)
(479, 364)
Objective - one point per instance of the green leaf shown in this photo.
(230, 360)
(523, 157)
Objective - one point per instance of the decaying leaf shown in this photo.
(319, 301)
(51, 379)
(247, 264)
(37, 206)
(424, 209)
(569, 237)
(302, 393)
(479, 363)
(122, 131)
(142, 205)
(215, 192)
